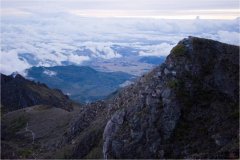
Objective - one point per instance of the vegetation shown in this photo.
(179, 50)
(25, 153)
(18, 123)
(96, 152)
(173, 84)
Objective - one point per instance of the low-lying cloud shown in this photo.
(55, 38)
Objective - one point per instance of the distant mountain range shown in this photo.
(82, 84)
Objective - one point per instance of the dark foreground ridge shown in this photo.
(186, 108)
(18, 92)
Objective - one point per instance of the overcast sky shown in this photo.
(170, 9)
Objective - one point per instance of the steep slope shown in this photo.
(18, 92)
(81, 83)
(34, 132)
(83, 138)
(34, 118)
(186, 108)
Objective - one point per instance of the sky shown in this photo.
(53, 32)
(170, 9)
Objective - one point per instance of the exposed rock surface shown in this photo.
(18, 92)
(185, 108)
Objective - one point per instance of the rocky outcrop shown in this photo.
(83, 139)
(18, 92)
(185, 108)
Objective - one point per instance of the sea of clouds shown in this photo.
(49, 39)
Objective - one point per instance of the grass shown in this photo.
(96, 152)
(179, 50)
(64, 153)
(173, 84)
(18, 123)
(25, 153)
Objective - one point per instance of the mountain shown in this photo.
(33, 117)
(186, 108)
(82, 84)
(18, 92)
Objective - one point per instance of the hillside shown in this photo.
(34, 118)
(82, 84)
(18, 92)
(34, 132)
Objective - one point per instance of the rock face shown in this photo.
(185, 108)
(18, 92)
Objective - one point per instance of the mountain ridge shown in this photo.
(18, 92)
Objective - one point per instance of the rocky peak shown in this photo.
(178, 109)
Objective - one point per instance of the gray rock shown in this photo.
(166, 71)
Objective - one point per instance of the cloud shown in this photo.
(229, 37)
(101, 50)
(77, 59)
(11, 63)
(123, 4)
(14, 12)
(49, 73)
(53, 38)
(158, 14)
(162, 49)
